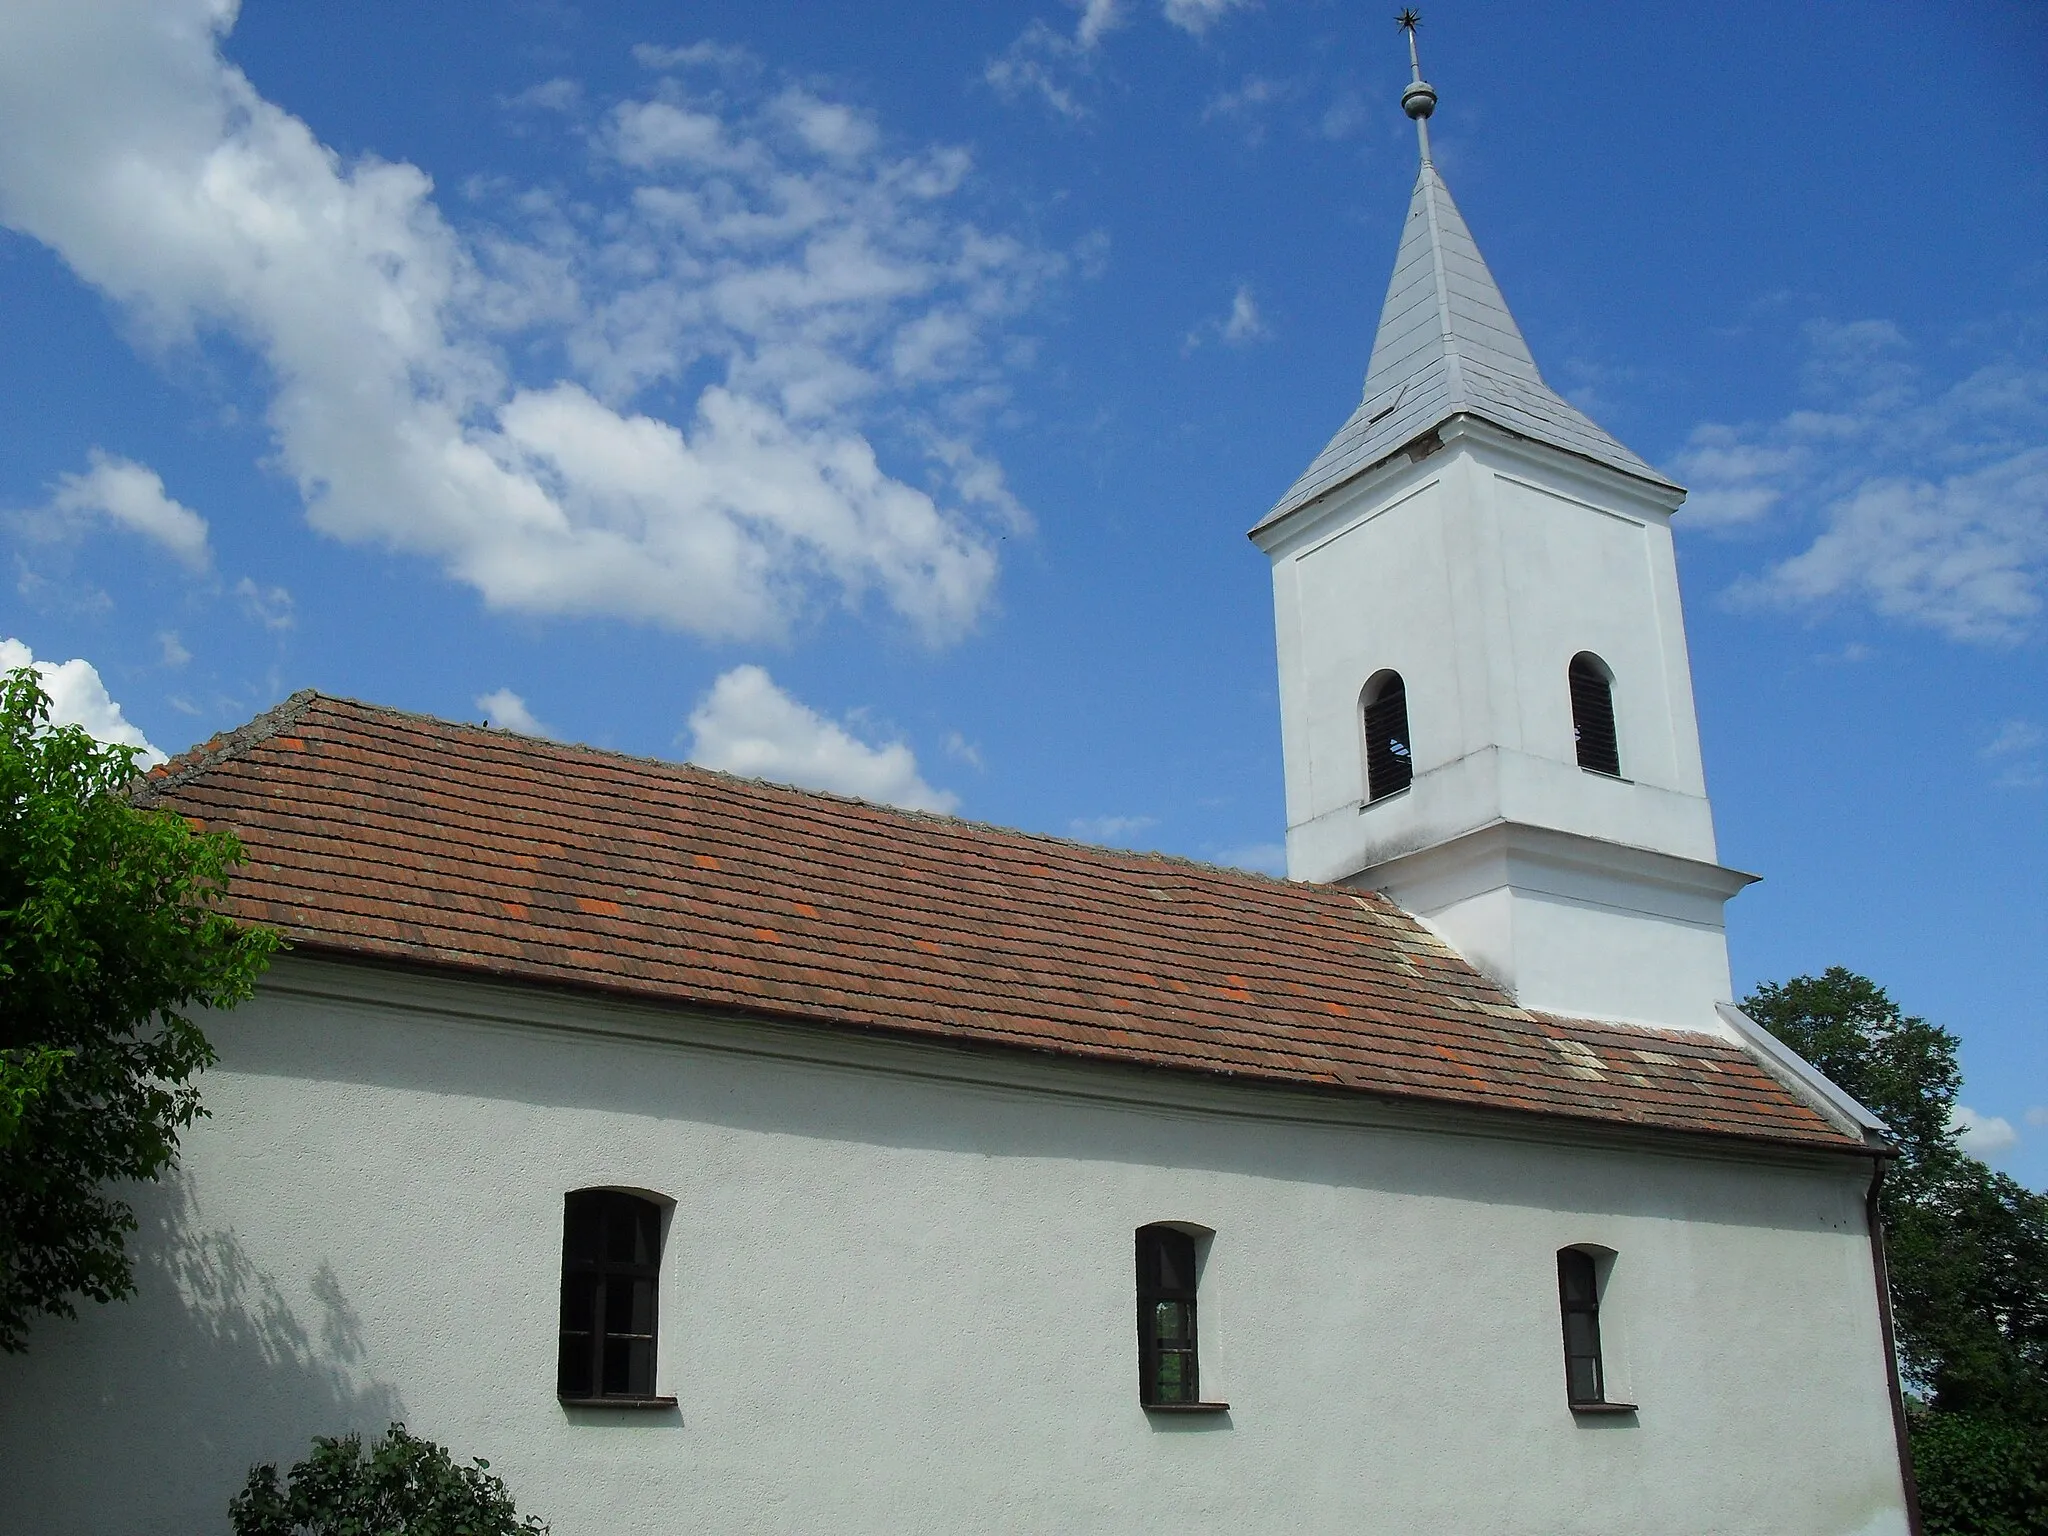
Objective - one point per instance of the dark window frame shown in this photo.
(1389, 744)
(1579, 1287)
(1169, 1360)
(1596, 740)
(597, 1362)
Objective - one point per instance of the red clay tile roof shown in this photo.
(397, 837)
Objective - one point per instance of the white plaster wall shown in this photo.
(1582, 959)
(1583, 578)
(1478, 573)
(897, 1302)
(1577, 928)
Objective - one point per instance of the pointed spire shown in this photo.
(1447, 345)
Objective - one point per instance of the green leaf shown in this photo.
(111, 933)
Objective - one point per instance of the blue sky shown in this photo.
(878, 396)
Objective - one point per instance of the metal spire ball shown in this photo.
(1419, 100)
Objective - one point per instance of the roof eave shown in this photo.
(1663, 490)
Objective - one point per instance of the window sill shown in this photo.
(1366, 805)
(1602, 773)
(1603, 1407)
(1186, 1407)
(616, 1402)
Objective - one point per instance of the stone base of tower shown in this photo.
(1574, 925)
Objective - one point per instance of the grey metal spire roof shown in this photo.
(1447, 346)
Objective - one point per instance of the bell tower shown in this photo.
(1486, 703)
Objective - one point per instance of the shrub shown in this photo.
(1980, 1476)
(402, 1486)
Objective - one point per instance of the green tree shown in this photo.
(403, 1486)
(25, 1076)
(1980, 1476)
(109, 929)
(1967, 1249)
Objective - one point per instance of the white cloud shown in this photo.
(272, 607)
(2014, 737)
(1240, 327)
(1097, 18)
(1259, 858)
(1043, 63)
(172, 648)
(1985, 1136)
(704, 54)
(1048, 63)
(1344, 116)
(1965, 555)
(1933, 506)
(829, 127)
(649, 134)
(506, 711)
(1243, 324)
(557, 95)
(2037, 1116)
(961, 750)
(1245, 106)
(132, 495)
(1110, 829)
(2016, 753)
(1198, 16)
(78, 697)
(748, 726)
(765, 240)
(1730, 480)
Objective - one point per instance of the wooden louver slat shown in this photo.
(1593, 718)
(1389, 765)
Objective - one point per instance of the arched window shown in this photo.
(1167, 1372)
(1580, 1277)
(1593, 714)
(1389, 765)
(1578, 1296)
(611, 1268)
(1168, 1376)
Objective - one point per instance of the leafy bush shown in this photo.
(1979, 1476)
(403, 1486)
(110, 932)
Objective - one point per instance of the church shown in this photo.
(716, 1156)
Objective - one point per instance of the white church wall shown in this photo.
(897, 1293)
(1479, 585)
(1584, 581)
(1367, 598)
(1586, 959)
(1595, 932)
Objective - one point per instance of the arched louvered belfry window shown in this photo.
(1593, 715)
(1389, 764)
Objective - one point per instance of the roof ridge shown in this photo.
(219, 748)
(1428, 183)
(196, 761)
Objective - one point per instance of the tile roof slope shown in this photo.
(1447, 346)
(389, 836)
